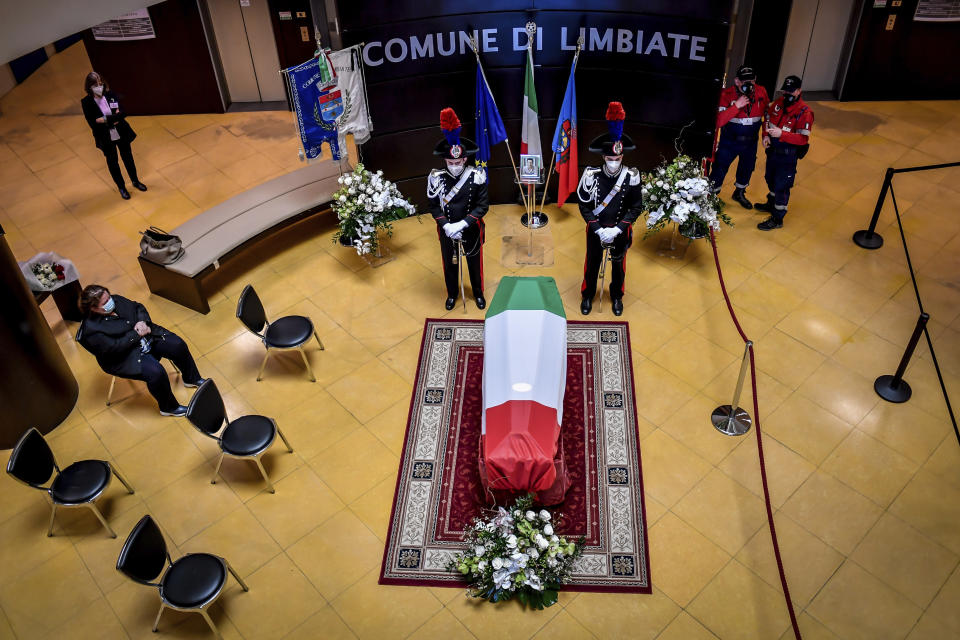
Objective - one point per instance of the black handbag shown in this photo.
(156, 245)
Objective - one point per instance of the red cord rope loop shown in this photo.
(756, 423)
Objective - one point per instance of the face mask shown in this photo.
(455, 169)
(789, 99)
(98, 90)
(613, 165)
(110, 306)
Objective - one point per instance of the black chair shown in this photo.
(79, 485)
(192, 583)
(288, 332)
(113, 379)
(247, 437)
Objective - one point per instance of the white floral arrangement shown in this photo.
(679, 192)
(49, 274)
(515, 553)
(364, 203)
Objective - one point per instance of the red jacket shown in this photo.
(796, 121)
(727, 111)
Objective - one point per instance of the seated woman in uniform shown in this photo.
(127, 344)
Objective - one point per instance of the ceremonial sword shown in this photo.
(603, 271)
(460, 256)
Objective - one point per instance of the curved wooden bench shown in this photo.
(221, 232)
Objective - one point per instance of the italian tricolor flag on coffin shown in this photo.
(524, 379)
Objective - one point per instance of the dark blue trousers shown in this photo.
(780, 174)
(728, 150)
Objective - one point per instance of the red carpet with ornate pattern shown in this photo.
(438, 485)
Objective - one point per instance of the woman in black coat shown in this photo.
(127, 344)
(111, 132)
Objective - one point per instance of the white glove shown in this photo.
(457, 235)
(607, 234)
(450, 228)
(601, 232)
(460, 226)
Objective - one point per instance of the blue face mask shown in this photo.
(110, 305)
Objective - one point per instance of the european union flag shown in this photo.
(490, 129)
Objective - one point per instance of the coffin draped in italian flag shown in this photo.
(524, 379)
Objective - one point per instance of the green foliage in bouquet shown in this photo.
(679, 192)
(515, 553)
(364, 203)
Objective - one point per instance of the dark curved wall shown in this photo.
(37, 388)
(660, 93)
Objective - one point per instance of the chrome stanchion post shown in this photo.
(868, 238)
(730, 418)
(894, 388)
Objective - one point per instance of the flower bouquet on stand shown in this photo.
(515, 553)
(680, 193)
(47, 271)
(365, 204)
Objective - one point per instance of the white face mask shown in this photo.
(613, 165)
(98, 90)
(455, 169)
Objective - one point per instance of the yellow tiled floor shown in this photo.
(866, 494)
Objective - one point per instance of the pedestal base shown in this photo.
(375, 260)
(864, 238)
(890, 392)
(730, 421)
(537, 221)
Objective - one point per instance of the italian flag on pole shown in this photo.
(524, 380)
(530, 133)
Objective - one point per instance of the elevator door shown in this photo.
(293, 30)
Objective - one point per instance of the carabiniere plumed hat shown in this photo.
(452, 146)
(615, 141)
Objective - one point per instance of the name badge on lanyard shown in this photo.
(112, 105)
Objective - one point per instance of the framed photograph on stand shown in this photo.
(530, 168)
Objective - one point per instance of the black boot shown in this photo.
(586, 305)
(481, 302)
(124, 193)
(741, 198)
(450, 303)
(770, 224)
(617, 306)
(766, 206)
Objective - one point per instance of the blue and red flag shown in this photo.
(490, 130)
(565, 140)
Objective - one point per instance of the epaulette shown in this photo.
(635, 177)
(479, 177)
(591, 170)
(434, 176)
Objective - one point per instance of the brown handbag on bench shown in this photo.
(156, 245)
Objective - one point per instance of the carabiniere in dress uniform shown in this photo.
(610, 202)
(458, 201)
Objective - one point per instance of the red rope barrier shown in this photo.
(756, 423)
